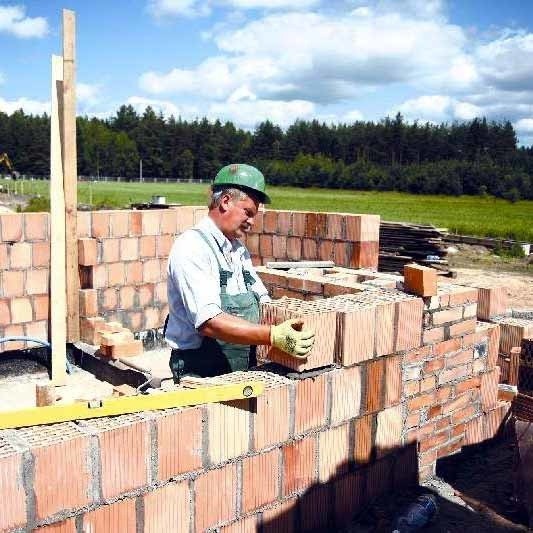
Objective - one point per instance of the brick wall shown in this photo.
(123, 258)
(409, 380)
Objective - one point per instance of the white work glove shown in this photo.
(292, 339)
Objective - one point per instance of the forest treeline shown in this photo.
(474, 157)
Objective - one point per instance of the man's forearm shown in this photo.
(229, 328)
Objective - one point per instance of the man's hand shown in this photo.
(292, 339)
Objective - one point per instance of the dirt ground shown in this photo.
(474, 491)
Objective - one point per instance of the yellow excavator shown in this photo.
(4, 158)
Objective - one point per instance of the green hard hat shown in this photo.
(243, 177)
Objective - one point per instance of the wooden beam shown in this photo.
(57, 230)
(70, 173)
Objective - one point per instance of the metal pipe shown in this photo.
(26, 339)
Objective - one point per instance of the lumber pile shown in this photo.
(401, 243)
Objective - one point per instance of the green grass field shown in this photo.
(468, 215)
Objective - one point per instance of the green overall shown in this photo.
(215, 357)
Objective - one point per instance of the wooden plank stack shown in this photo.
(401, 243)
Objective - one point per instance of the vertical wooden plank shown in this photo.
(70, 173)
(58, 305)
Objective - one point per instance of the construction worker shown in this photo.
(213, 290)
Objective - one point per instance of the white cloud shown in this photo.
(13, 20)
(175, 8)
(30, 107)
(167, 108)
(353, 116)
(89, 94)
(271, 4)
(524, 125)
(438, 108)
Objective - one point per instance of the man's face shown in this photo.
(239, 217)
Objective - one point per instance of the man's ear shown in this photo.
(225, 202)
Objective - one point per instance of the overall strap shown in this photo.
(223, 273)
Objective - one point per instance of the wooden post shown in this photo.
(70, 173)
(58, 305)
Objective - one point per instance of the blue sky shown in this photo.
(251, 60)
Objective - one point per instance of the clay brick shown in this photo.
(5, 313)
(67, 484)
(341, 254)
(13, 511)
(228, 430)
(136, 223)
(37, 281)
(424, 400)
(147, 246)
(298, 223)
(474, 431)
(361, 228)
(411, 388)
(12, 283)
(356, 335)
(462, 328)
(169, 222)
(409, 319)
(281, 518)
(265, 245)
(151, 271)
(88, 302)
(21, 310)
(393, 380)
(412, 420)
(365, 255)
(346, 394)
(420, 280)
(315, 508)
(87, 254)
(311, 225)
(350, 496)
(83, 226)
(109, 299)
(463, 295)
(375, 383)
(433, 441)
(20, 255)
(469, 384)
(299, 465)
(13, 331)
(279, 246)
(448, 346)
(40, 254)
(163, 244)
(252, 243)
(459, 358)
(335, 226)
(309, 249)
(363, 439)
(492, 302)
(111, 250)
(121, 471)
(41, 306)
(270, 221)
(418, 355)
(151, 221)
(379, 478)
(100, 224)
(333, 453)
(134, 273)
(36, 226)
(470, 311)
(457, 403)
(453, 374)
(271, 417)
(284, 222)
(260, 474)
(115, 274)
(4, 260)
(119, 223)
(146, 295)
(216, 497)
(433, 335)
(151, 318)
(167, 509)
(428, 384)
(125, 349)
(448, 315)
(11, 225)
(385, 328)
(326, 250)
(489, 388)
(114, 517)
(310, 403)
(463, 414)
(129, 249)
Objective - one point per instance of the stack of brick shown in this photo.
(24, 277)
(450, 384)
(349, 240)
(307, 454)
